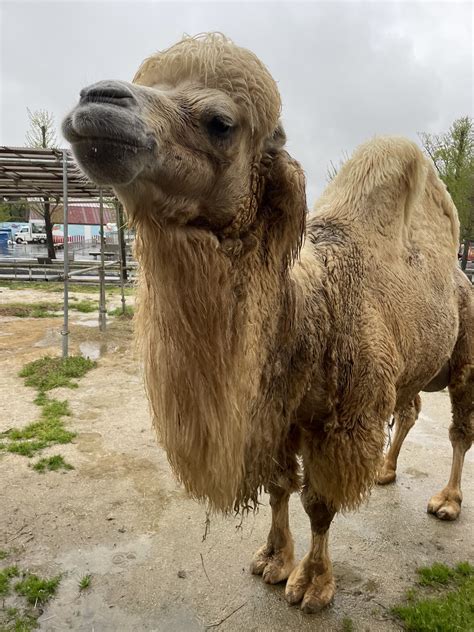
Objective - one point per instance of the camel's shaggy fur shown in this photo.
(257, 349)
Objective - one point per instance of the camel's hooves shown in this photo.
(444, 506)
(386, 476)
(275, 566)
(314, 593)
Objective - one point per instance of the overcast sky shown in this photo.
(346, 70)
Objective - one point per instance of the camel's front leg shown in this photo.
(275, 560)
(312, 581)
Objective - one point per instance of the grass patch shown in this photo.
(347, 625)
(47, 373)
(6, 575)
(85, 582)
(14, 621)
(86, 307)
(52, 463)
(450, 605)
(3, 554)
(49, 430)
(118, 312)
(56, 287)
(43, 309)
(37, 590)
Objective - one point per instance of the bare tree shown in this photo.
(42, 133)
(332, 169)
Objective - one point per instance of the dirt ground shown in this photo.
(121, 517)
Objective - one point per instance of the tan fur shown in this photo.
(260, 353)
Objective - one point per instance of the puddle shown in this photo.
(87, 322)
(102, 559)
(93, 350)
(52, 338)
(92, 610)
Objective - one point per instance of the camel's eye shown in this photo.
(219, 127)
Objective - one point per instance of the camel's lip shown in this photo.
(95, 141)
(100, 124)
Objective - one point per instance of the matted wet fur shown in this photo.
(263, 353)
(206, 326)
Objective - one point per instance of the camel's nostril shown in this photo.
(113, 92)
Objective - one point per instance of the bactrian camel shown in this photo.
(265, 339)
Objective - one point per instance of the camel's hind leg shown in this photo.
(446, 505)
(405, 419)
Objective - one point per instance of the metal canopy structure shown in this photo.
(27, 172)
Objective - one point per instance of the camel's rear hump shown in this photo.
(391, 190)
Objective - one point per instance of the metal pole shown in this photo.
(120, 240)
(65, 331)
(102, 308)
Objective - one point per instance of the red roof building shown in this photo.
(82, 214)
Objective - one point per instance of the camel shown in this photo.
(276, 347)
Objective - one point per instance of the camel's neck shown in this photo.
(210, 328)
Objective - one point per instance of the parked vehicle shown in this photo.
(32, 233)
(470, 255)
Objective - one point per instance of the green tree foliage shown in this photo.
(452, 154)
(14, 211)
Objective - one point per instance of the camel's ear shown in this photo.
(277, 140)
(284, 197)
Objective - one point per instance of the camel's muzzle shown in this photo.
(107, 134)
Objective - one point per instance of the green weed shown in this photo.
(3, 554)
(449, 609)
(85, 582)
(6, 575)
(85, 307)
(57, 287)
(16, 622)
(436, 574)
(48, 372)
(30, 310)
(45, 374)
(118, 312)
(37, 590)
(52, 463)
(347, 625)
(49, 430)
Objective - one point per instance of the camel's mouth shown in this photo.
(108, 138)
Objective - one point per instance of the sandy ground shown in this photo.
(120, 516)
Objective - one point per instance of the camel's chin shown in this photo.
(109, 162)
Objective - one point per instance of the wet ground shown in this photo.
(121, 517)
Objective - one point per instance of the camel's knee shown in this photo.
(319, 513)
(462, 435)
(406, 417)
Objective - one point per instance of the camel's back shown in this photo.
(386, 234)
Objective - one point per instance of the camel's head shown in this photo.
(188, 135)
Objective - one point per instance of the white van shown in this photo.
(34, 233)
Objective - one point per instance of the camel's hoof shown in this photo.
(445, 505)
(274, 566)
(318, 597)
(386, 476)
(315, 592)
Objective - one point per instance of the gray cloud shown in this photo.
(346, 70)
